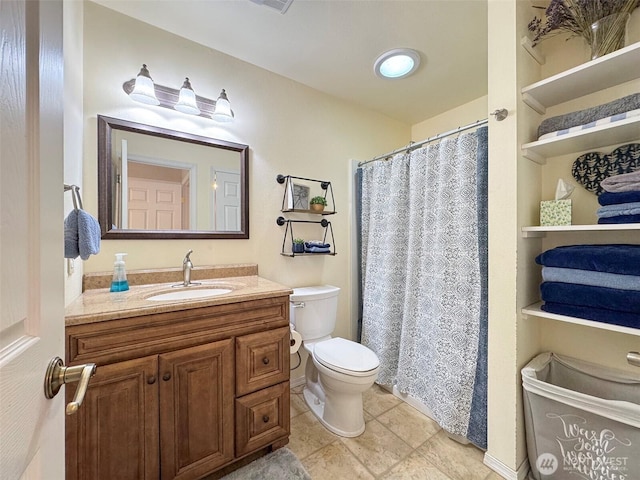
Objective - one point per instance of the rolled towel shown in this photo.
(317, 250)
(316, 243)
(626, 182)
(582, 117)
(88, 235)
(71, 249)
(608, 198)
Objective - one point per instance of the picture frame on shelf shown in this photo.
(300, 197)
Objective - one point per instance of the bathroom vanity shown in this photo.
(183, 388)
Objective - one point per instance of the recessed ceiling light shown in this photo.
(397, 63)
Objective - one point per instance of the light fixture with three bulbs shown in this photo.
(143, 90)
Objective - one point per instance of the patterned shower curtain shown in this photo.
(423, 246)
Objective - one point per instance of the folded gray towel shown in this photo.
(626, 182)
(582, 117)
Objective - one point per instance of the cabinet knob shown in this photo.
(166, 377)
(151, 379)
(265, 360)
(265, 418)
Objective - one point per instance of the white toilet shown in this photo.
(338, 370)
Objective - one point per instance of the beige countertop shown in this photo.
(99, 304)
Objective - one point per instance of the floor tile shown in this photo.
(460, 462)
(377, 400)
(335, 461)
(378, 448)
(308, 435)
(414, 467)
(494, 476)
(409, 424)
(297, 404)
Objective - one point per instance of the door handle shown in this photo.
(57, 375)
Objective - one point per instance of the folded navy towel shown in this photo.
(71, 249)
(619, 219)
(317, 250)
(88, 235)
(609, 198)
(612, 258)
(582, 117)
(613, 317)
(590, 277)
(590, 296)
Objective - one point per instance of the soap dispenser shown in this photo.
(119, 282)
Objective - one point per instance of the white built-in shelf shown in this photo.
(622, 131)
(607, 71)
(534, 310)
(537, 231)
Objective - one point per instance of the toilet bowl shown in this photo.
(338, 370)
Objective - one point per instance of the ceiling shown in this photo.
(331, 45)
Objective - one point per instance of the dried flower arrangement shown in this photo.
(576, 17)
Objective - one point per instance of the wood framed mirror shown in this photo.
(157, 183)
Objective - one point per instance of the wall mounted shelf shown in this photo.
(288, 233)
(288, 205)
(541, 231)
(607, 71)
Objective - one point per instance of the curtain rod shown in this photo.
(414, 145)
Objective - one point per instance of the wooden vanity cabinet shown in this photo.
(179, 395)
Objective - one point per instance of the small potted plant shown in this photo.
(318, 203)
(298, 245)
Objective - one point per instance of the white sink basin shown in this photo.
(189, 294)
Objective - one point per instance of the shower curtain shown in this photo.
(423, 253)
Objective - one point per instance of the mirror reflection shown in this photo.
(157, 183)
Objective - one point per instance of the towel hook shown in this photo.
(500, 114)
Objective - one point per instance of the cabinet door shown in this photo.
(196, 410)
(115, 433)
(263, 360)
(262, 418)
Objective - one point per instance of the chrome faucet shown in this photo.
(187, 266)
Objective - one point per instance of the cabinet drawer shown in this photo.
(262, 359)
(262, 418)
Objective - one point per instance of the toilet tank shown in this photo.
(314, 310)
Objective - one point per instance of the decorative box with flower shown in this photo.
(602, 23)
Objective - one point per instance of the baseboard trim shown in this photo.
(504, 471)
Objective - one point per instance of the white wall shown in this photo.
(451, 119)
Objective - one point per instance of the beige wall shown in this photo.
(451, 119)
(290, 128)
(73, 120)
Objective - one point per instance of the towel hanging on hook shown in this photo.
(81, 230)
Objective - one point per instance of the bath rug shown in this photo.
(279, 465)
(593, 167)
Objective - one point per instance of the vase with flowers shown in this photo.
(602, 23)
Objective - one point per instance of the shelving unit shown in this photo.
(607, 71)
(288, 206)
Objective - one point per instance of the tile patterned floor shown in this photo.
(399, 443)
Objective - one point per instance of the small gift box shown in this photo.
(555, 212)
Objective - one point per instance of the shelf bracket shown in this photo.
(533, 103)
(533, 156)
(527, 44)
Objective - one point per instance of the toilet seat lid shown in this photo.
(346, 356)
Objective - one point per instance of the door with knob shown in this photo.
(31, 237)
